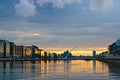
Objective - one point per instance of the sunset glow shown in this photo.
(77, 51)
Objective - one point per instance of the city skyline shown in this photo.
(58, 25)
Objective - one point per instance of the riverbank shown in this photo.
(39, 59)
(110, 60)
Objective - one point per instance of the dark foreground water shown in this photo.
(59, 70)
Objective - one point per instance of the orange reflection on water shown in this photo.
(60, 69)
(66, 68)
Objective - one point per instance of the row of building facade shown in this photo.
(11, 50)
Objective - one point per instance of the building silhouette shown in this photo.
(94, 54)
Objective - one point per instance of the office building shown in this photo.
(27, 50)
(32, 51)
(7, 49)
(35, 51)
(1, 48)
(19, 51)
(12, 49)
(114, 49)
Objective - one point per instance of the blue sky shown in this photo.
(60, 23)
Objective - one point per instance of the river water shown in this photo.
(59, 70)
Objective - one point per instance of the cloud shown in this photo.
(58, 3)
(59, 34)
(101, 5)
(19, 34)
(25, 8)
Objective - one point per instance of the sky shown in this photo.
(58, 25)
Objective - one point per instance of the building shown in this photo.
(94, 54)
(103, 54)
(114, 49)
(7, 49)
(19, 51)
(27, 50)
(4, 48)
(43, 54)
(1, 48)
(12, 49)
(36, 52)
(53, 56)
(33, 51)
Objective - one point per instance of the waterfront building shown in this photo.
(7, 49)
(12, 49)
(53, 56)
(94, 54)
(19, 51)
(1, 48)
(27, 50)
(114, 49)
(33, 51)
(38, 52)
(44, 54)
(104, 54)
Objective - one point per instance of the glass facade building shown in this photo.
(12, 49)
(19, 51)
(114, 49)
(27, 51)
(7, 45)
(1, 48)
(7, 49)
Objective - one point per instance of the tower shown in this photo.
(94, 54)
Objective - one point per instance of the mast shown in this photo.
(69, 53)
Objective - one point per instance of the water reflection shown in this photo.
(94, 65)
(114, 70)
(59, 70)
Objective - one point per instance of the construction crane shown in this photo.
(69, 53)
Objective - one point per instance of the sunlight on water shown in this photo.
(59, 70)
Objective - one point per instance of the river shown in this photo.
(59, 70)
